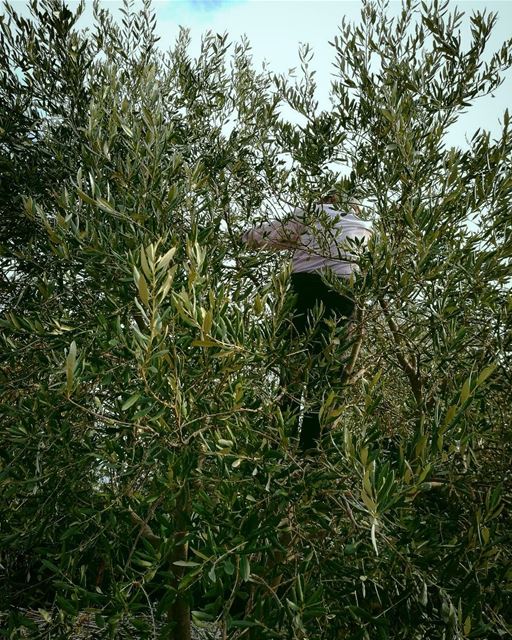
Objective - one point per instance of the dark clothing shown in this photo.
(310, 290)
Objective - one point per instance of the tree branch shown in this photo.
(411, 371)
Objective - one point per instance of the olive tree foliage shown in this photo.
(147, 473)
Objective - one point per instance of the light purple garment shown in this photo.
(318, 246)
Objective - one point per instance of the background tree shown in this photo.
(147, 474)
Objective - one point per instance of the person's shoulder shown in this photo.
(357, 219)
(332, 212)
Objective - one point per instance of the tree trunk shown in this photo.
(179, 612)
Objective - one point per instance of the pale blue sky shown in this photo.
(276, 27)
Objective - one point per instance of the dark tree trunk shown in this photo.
(179, 612)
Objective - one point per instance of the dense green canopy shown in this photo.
(146, 471)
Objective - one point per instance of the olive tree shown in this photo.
(148, 474)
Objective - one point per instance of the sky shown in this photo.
(276, 27)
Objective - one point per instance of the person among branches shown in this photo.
(324, 239)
